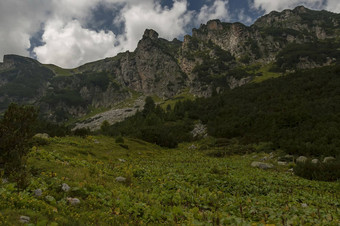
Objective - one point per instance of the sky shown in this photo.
(69, 33)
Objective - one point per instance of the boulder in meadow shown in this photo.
(38, 192)
(42, 135)
(262, 165)
(280, 163)
(65, 187)
(192, 147)
(315, 161)
(301, 159)
(73, 201)
(24, 219)
(120, 179)
(50, 199)
(328, 159)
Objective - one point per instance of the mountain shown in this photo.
(218, 56)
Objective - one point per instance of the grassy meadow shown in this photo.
(183, 186)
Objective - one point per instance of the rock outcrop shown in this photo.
(262, 165)
(211, 60)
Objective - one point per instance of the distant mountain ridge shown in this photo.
(218, 56)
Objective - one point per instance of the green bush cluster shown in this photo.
(297, 113)
(16, 131)
(316, 52)
(154, 125)
(82, 132)
(119, 140)
(329, 171)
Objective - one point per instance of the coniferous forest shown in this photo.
(298, 113)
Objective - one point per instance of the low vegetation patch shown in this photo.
(109, 185)
(328, 171)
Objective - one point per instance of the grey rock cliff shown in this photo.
(207, 61)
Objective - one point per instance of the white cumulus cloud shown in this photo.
(219, 10)
(68, 42)
(279, 5)
(70, 45)
(243, 17)
(333, 6)
(169, 23)
(19, 20)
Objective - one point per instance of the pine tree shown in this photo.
(16, 130)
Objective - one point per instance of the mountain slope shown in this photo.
(218, 56)
(297, 113)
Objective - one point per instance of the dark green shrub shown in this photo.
(124, 146)
(82, 132)
(52, 129)
(203, 147)
(234, 149)
(221, 142)
(264, 147)
(120, 140)
(38, 141)
(105, 128)
(329, 171)
(16, 131)
(139, 173)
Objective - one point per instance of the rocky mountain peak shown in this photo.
(12, 60)
(214, 25)
(212, 58)
(149, 33)
(301, 9)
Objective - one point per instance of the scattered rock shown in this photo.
(192, 147)
(49, 198)
(281, 163)
(255, 156)
(120, 179)
(96, 141)
(291, 170)
(73, 201)
(289, 156)
(24, 219)
(328, 159)
(262, 165)
(200, 130)
(112, 116)
(304, 205)
(315, 161)
(264, 158)
(121, 160)
(38, 192)
(301, 159)
(4, 180)
(42, 135)
(65, 187)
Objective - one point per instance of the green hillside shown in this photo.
(297, 113)
(162, 186)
